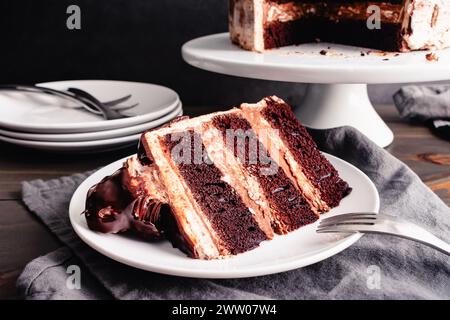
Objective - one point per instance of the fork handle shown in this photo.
(420, 235)
(432, 241)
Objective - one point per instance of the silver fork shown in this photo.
(381, 224)
(109, 110)
(93, 102)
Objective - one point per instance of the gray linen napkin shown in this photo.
(376, 267)
(422, 103)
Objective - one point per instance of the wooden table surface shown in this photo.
(23, 237)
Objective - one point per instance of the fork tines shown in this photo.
(362, 219)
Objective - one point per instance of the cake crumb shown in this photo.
(324, 52)
(379, 53)
(432, 56)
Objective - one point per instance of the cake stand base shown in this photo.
(333, 105)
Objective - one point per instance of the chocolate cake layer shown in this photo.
(225, 210)
(290, 209)
(199, 238)
(317, 169)
(345, 31)
(343, 22)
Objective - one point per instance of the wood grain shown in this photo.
(440, 186)
(8, 284)
(23, 237)
(441, 159)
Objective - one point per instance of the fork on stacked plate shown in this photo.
(83, 115)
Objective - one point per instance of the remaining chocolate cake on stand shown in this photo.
(405, 25)
(219, 184)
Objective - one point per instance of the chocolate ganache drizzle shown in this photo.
(110, 208)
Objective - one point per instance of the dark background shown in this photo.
(137, 40)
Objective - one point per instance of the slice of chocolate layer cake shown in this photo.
(277, 196)
(395, 25)
(219, 184)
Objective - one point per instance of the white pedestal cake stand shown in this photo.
(338, 77)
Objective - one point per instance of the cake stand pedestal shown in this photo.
(333, 105)
(338, 77)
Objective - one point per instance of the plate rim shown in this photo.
(94, 125)
(85, 135)
(309, 73)
(341, 244)
(76, 144)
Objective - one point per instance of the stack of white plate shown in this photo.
(46, 122)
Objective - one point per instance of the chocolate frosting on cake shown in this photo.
(142, 154)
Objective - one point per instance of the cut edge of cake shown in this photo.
(406, 25)
(223, 204)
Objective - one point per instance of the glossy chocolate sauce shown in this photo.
(110, 208)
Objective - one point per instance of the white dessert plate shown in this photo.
(84, 146)
(90, 136)
(297, 249)
(80, 146)
(43, 113)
